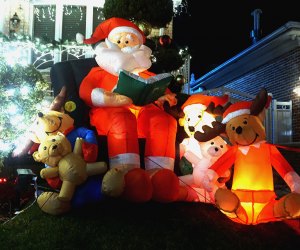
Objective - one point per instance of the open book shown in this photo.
(142, 91)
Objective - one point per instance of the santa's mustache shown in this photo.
(112, 58)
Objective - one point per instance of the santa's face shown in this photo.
(123, 51)
(125, 39)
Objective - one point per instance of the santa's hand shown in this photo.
(292, 179)
(103, 98)
(170, 98)
(112, 99)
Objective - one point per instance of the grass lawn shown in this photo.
(117, 224)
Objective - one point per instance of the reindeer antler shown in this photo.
(259, 102)
(59, 101)
(210, 132)
(217, 126)
(217, 110)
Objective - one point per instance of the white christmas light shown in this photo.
(10, 92)
(25, 91)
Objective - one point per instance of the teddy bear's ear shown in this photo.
(181, 121)
(36, 156)
(60, 134)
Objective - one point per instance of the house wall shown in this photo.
(23, 8)
(8, 9)
(280, 77)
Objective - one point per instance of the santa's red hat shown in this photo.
(205, 100)
(112, 26)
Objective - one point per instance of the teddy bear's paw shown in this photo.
(226, 200)
(288, 206)
(113, 182)
(51, 204)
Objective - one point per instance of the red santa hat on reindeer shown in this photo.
(241, 108)
(112, 26)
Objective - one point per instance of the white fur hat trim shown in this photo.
(233, 114)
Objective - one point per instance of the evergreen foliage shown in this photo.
(22, 90)
(158, 13)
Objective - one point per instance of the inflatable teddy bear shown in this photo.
(51, 122)
(56, 120)
(210, 151)
(251, 199)
(56, 152)
(195, 116)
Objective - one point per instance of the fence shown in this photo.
(42, 56)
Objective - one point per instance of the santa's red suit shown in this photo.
(124, 125)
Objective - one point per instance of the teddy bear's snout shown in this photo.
(214, 151)
(239, 130)
(54, 149)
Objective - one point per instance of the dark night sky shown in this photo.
(218, 30)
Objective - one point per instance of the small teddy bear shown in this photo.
(51, 122)
(195, 117)
(210, 151)
(56, 152)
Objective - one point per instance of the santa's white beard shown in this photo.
(112, 59)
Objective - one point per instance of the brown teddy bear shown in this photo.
(56, 152)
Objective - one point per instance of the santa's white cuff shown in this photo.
(124, 159)
(97, 97)
(154, 162)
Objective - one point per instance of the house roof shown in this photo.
(282, 40)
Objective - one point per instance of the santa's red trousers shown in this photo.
(123, 128)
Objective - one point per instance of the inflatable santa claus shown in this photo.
(119, 45)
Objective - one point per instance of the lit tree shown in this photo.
(22, 93)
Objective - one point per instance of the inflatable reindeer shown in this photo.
(251, 199)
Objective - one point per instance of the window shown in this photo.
(44, 22)
(74, 21)
(97, 17)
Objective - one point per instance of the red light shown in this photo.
(3, 180)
